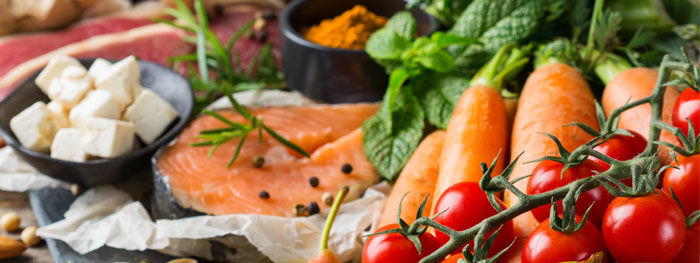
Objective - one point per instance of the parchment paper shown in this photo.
(18, 176)
(107, 216)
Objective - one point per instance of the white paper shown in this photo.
(107, 216)
(18, 176)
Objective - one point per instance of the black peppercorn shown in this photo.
(346, 168)
(258, 161)
(264, 194)
(313, 181)
(312, 208)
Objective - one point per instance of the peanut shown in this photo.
(29, 236)
(10, 221)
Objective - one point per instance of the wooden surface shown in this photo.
(18, 203)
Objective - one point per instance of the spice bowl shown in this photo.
(161, 80)
(334, 75)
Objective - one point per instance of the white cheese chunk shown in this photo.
(107, 137)
(68, 145)
(58, 115)
(99, 68)
(120, 80)
(71, 87)
(53, 70)
(33, 128)
(97, 103)
(150, 114)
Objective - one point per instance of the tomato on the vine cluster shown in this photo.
(545, 245)
(649, 228)
(620, 147)
(690, 253)
(547, 176)
(464, 206)
(395, 247)
(687, 106)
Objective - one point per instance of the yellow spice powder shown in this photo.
(349, 30)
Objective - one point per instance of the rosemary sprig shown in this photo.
(211, 56)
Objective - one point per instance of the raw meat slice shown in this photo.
(330, 134)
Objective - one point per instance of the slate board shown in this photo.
(49, 205)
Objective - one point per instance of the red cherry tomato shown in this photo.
(685, 182)
(466, 205)
(454, 258)
(690, 253)
(545, 245)
(687, 106)
(547, 176)
(648, 228)
(396, 248)
(621, 147)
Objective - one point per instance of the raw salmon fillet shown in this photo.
(330, 134)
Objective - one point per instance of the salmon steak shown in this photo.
(331, 135)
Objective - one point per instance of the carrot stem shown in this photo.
(331, 217)
(505, 64)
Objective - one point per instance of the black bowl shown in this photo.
(166, 83)
(334, 75)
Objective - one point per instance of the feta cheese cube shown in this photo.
(120, 80)
(68, 145)
(107, 137)
(97, 103)
(53, 70)
(150, 114)
(33, 128)
(71, 87)
(99, 68)
(58, 115)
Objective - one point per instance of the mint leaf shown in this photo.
(443, 39)
(385, 44)
(428, 54)
(403, 24)
(438, 94)
(396, 80)
(388, 149)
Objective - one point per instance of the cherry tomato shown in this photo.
(687, 106)
(685, 182)
(690, 253)
(454, 258)
(396, 248)
(648, 228)
(547, 176)
(546, 245)
(620, 147)
(466, 205)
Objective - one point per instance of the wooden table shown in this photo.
(19, 203)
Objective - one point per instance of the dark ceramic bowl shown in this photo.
(335, 75)
(166, 83)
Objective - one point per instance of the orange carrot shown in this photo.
(476, 133)
(634, 84)
(415, 181)
(553, 96)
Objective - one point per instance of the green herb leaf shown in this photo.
(438, 94)
(388, 148)
(385, 44)
(403, 24)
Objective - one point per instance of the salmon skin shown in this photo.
(329, 133)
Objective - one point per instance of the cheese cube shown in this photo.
(97, 103)
(71, 87)
(150, 114)
(53, 70)
(108, 138)
(58, 115)
(68, 145)
(99, 68)
(120, 80)
(33, 128)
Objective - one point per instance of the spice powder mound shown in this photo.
(349, 30)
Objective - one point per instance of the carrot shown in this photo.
(415, 181)
(553, 96)
(476, 133)
(634, 84)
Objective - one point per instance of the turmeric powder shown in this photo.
(349, 30)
